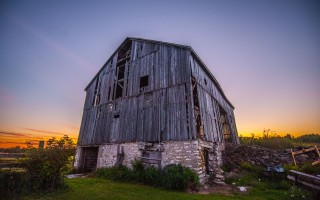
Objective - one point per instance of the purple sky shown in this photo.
(265, 55)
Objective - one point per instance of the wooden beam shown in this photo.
(317, 150)
(304, 151)
(294, 160)
(304, 179)
(315, 163)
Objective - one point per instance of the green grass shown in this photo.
(95, 188)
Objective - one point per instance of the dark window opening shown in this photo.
(121, 70)
(187, 109)
(96, 91)
(144, 81)
(206, 160)
(205, 81)
(125, 51)
(196, 107)
(119, 90)
(225, 126)
(122, 67)
(97, 99)
(127, 81)
(116, 116)
(109, 93)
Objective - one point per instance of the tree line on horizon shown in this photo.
(267, 134)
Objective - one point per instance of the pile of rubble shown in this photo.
(233, 156)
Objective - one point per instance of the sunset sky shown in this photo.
(265, 55)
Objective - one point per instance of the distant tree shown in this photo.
(289, 136)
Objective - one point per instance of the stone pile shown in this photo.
(233, 156)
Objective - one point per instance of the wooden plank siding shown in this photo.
(210, 99)
(160, 111)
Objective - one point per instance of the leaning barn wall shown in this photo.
(210, 101)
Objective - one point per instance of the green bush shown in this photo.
(152, 176)
(179, 177)
(310, 169)
(174, 177)
(45, 168)
(116, 173)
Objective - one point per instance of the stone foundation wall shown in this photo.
(187, 153)
(114, 154)
(131, 152)
(76, 162)
(215, 150)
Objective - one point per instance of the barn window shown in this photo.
(144, 81)
(225, 125)
(197, 115)
(97, 101)
(119, 89)
(121, 70)
(116, 116)
(205, 81)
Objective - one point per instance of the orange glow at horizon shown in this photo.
(15, 138)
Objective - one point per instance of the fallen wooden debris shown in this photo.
(307, 180)
(315, 148)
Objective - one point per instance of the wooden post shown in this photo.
(317, 150)
(294, 160)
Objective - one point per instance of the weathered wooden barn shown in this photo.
(157, 102)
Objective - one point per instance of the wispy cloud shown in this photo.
(44, 131)
(14, 134)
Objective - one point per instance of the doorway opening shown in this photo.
(206, 160)
(89, 158)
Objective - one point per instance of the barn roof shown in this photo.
(205, 68)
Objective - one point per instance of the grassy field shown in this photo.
(94, 188)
